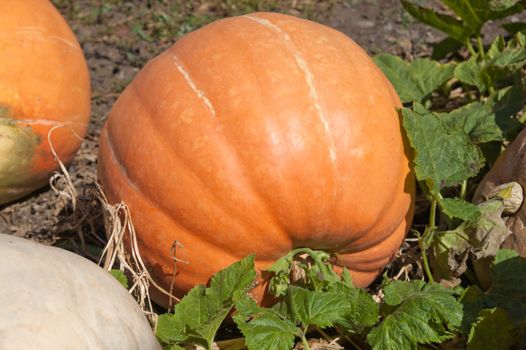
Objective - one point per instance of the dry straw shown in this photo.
(119, 232)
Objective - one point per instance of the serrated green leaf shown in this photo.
(120, 276)
(514, 27)
(443, 156)
(508, 273)
(170, 328)
(464, 10)
(478, 121)
(415, 80)
(202, 310)
(504, 255)
(458, 208)
(506, 104)
(264, 328)
(504, 8)
(363, 313)
(492, 330)
(503, 61)
(445, 46)
(491, 121)
(238, 277)
(323, 309)
(495, 9)
(447, 24)
(319, 274)
(420, 313)
(507, 292)
(471, 72)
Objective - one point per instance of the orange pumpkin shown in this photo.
(44, 83)
(259, 134)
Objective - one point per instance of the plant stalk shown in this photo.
(427, 270)
(304, 341)
(432, 214)
(471, 50)
(481, 46)
(463, 189)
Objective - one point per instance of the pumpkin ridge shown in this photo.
(165, 213)
(313, 94)
(200, 93)
(192, 231)
(243, 221)
(115, 160)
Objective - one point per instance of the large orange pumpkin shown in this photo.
(259, 134)
(44, 83)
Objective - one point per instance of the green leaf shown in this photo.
(319, 274)
(509, 275)
(120, 276)
(323, 309)
(513, 28)
(506, 104)
(507, 292)
(170, 328)
(503, 8)
(445, 46)
(491, 121)
(200, 313)
(419, 313)
(464, 10)
(443, 156)
(477, 119)
(492, 330)
(415, 80)
(363, 313)
(449, 25)
(471, 72)
(264, 328)
(495, 9)
(458, 208)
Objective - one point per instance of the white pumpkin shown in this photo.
(53, 299)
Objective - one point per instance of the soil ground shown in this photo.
(120, 36)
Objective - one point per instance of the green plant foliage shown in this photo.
(414, 80)
(443, 156)
(488, 121)
(319, 276)
(492, 330)
(507, 292)
(471, 15)
(120, 276)
(418, 313)
(199, 314)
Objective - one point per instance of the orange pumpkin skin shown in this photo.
(44, 83)
(259, 134)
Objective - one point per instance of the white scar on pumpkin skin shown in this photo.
(200, 93)
(309, 78)
(115, 161)
(43, 36)
(45, 122)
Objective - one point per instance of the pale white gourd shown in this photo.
(53, 299)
